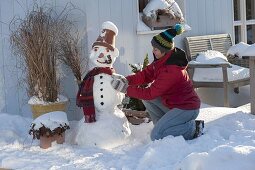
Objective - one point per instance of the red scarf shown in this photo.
(84, 96)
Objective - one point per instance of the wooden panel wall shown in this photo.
(204, 16)
(209, 16)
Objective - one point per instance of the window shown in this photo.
(158, 21)
(142, 5)
(244, 21)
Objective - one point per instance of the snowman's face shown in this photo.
(102, 56)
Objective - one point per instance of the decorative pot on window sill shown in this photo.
(163, 22)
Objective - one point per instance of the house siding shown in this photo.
(209, 16)
(204, 17)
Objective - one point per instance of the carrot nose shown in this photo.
(101, 55)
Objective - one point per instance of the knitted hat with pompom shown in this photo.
(165, 40)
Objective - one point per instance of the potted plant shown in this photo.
(36, 39)
(134, 108)
(50, 127)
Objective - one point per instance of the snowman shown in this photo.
(104, 125)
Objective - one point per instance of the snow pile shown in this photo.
(228, 143)
(109, 131)
(215, 74)
(35, 100)
(250, 51)
(154, 5)
(221, 157)
(110, 128)
(13, 128)
(51, 120)
(238, 49)
(210, 57)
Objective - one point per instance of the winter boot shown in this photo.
(199, 128)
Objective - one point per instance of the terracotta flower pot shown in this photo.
(46, 141)
(136, 117)
(60, 138)
(40, 109)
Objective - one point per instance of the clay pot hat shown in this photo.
(107, 36)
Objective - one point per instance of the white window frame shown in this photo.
(243, 22)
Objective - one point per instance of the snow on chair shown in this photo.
(222, 73)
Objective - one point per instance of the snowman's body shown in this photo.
(105, 97)
(111, 128)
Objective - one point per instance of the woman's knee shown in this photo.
(155, 135)
(148, 102)
(185, 129)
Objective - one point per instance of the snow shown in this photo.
(110, 130)
(35, 100)
(111, 127)
(51, 120)
(110, 26)
(215, 74)
(250, 51)
(211, 57)
(238, 49)
(150, 10)
(228, 143)
(154, 5)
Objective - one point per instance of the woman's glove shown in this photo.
(119, 84)
(119, 76)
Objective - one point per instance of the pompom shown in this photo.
(179, 29)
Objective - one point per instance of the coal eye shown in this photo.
(107, 50)
(95, 49)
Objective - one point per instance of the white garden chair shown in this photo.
(227, 74)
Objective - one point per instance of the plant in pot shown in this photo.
(50, 127)
(36, 40)
(134, 108)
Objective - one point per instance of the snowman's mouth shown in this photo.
(107, 61)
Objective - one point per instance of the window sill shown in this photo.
(142, 28)
(148, 32)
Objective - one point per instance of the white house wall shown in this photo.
(10, 90)
(209, 16)
(204, 16)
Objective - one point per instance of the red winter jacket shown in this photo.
(169, 81)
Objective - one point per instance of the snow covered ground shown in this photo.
(228, 143)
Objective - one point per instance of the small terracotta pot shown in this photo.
(136, 117)
(60, 138)
(46, 141)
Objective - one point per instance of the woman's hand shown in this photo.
(119, 83)
(119, 76)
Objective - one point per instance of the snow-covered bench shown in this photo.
(214, 74)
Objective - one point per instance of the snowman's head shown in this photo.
(104, 53)
(103, 56)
